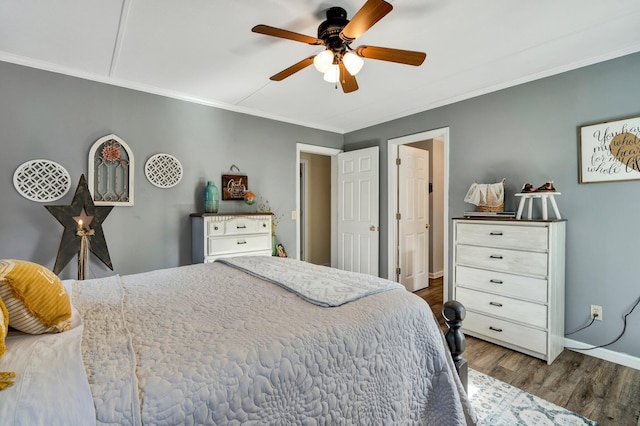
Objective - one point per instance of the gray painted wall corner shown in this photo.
(529, 133)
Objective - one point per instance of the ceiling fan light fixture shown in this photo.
(332, 75)
(352, 62)
(323, 60)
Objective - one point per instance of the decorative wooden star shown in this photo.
(84, 219)
(81, 207)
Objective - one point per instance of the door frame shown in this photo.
(392, 184)
(330, 152)
(304, 203)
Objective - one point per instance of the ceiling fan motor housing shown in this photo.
(329, 30)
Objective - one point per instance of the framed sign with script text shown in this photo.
(610, 151)
(234, 186)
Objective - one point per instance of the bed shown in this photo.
(252, 340)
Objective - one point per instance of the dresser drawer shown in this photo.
(238, 226)
(522, 287)
(245, 225)
(505, 307)
(515, 334)
(515, 261)
(505, 236)
(214, 227)
(217, 245)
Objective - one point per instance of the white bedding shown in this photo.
(51, 386)
(213, 345)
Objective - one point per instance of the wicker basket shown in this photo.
(498, 208)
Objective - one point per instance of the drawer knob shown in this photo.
(495, 256)
(499, 330)
(496, 281)
(241, 242)
(496, 304)
(495, 233)
(241, 227)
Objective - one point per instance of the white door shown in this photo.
(413, 223)
(358, 215)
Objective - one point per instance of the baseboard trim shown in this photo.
(434, 275)
(606, 354)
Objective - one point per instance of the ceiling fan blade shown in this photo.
(289, 35)
(348, 82)
(365, 18)
(407, 57)
(292, 69)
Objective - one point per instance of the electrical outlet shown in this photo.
(596, 310)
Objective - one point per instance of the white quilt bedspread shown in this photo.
(316, 284)
(213, 345)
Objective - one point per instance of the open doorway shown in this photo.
(436, 141)
(315, 208)
(315, 204)
(354, 191)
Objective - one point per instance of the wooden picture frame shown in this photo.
(610, 151)
(111, 172)
(234, 186)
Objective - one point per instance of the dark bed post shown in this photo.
(453, 313)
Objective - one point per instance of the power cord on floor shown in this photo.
(624, 328)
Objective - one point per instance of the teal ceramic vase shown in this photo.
(211, 198)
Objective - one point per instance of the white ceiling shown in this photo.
(204, 50)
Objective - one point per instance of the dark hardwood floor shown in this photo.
(600, 390)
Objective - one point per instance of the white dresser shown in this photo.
(509, 275)
(216, 235)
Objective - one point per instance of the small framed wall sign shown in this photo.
(234, 184)
(610, 151)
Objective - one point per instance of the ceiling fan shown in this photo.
(339, 61)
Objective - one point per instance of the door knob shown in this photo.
(427, 226)
(373, 228)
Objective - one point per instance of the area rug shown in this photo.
(499, 404)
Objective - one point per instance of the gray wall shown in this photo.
(526, 134)
(45, 115)
(529, 133)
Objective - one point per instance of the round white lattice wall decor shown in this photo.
(163, 170)
(41, 180)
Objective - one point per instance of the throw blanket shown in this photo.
(211, 345)
(319, 285)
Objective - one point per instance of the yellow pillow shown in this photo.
(4, 327)
(5, 376)
(34, 297)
